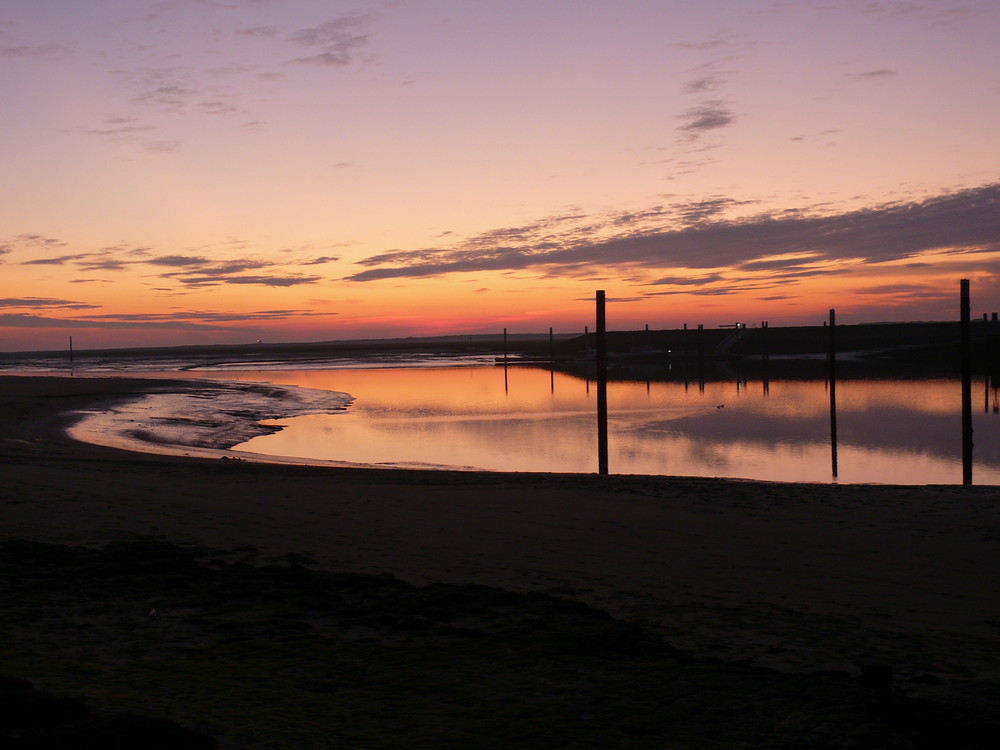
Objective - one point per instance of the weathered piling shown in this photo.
(601, 353)
(966, 356)
(832, 365)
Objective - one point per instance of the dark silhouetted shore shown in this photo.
(840, 583)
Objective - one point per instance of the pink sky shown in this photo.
(209, 171)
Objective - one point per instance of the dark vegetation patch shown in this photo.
(33, 719)
(280, 655)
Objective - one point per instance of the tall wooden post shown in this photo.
(966, 339)
(602, 386)
(832, 362)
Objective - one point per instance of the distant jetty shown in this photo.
(909, 345)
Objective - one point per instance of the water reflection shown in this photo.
(528, 419)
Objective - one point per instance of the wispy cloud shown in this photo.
(30, 50)
(706, 46)
(199, 271)
(273, 281)
(178, 261)
(14, 320)
(131, 131)
(186, 270)
(112, 258)
(152, 91)
(206, 320)
(335, 42)
(889, 232)
(258, 32)
(39, 240)
(869, 75)
(703, 84)
(180, 90)
(205, 316)
(34, 303)
(14, 48)
(710, 115)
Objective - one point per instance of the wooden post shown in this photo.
(966, 340)
(832, 362)
(602, 386)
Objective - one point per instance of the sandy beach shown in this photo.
(787, 576)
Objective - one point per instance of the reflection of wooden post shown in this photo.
(552, 364)
(832, 361)
(602, 386)
(765, 356)
(506, 384)
(966, 384)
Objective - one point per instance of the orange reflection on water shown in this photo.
(528, 419)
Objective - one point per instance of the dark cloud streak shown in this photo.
(273, 281)
(204, 320)
(187, 270)
(37, 321)
(37, 302)
(961, 220)
(710, 115)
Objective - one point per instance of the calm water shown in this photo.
(527, 419)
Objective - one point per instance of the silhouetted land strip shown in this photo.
(916, 347)
(446, 346)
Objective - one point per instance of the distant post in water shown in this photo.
(601, 352)
(832, 363)
(966, 339)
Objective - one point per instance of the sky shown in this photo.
(225, 171)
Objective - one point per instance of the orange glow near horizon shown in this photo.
(528, 419)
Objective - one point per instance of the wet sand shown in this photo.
(792, 576)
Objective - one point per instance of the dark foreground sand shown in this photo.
(789, 576)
